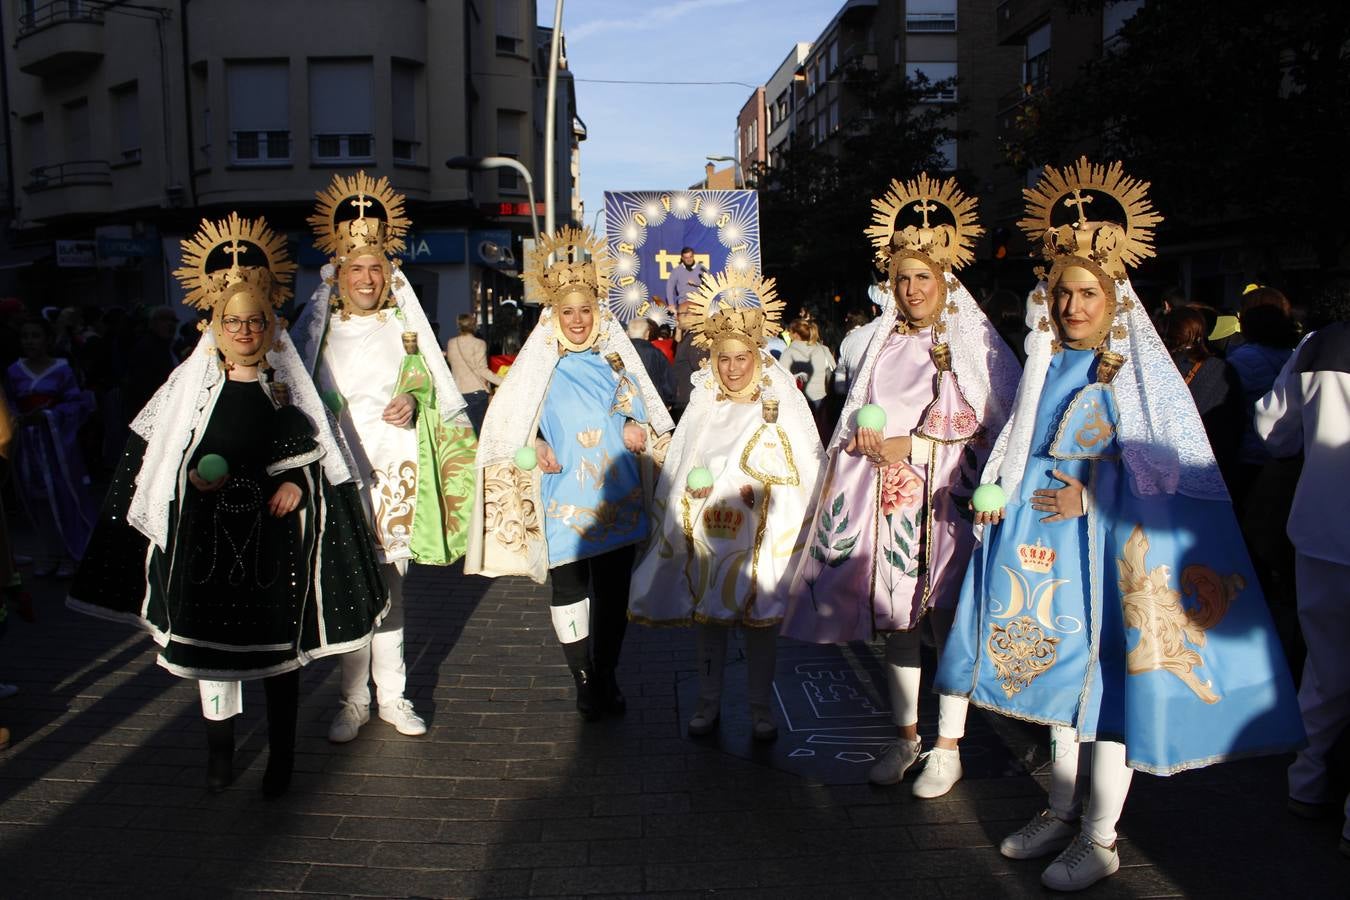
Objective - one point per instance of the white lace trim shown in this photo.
(510, 420)
(985, 366)
(176, 413)
(1162, 439)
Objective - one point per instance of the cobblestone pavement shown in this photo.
(510, 794)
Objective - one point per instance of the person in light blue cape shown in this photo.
(567, 460)
(1111, 597)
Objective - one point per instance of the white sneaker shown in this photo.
(1082, 864)
(403, 717)
(348, 722)
(704, 720)
(940, 772)
(762, 725)
(1043, 835)
(890, 769)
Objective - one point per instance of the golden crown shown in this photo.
(1112, 246)
(722, 521)
(579, 259)
(377, 227)
(1036, 558)
(950, 244)
(734, 305)
(257, 263)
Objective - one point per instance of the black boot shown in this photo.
(612, 699)
(589, 700)
(283, 693)
(220, 754)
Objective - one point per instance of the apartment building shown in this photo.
(941, 40)
(131, 122)
(751, 133)
(780, 102)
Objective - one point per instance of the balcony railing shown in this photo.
(71, 173)
(260, 148)
(343, 148)
(60, 11)
(930, 23)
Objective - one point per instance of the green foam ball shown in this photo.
(699, 478)
(212, 467)
(871, 417)
(526, 459)
(988, 498)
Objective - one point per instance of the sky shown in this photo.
(652, 136)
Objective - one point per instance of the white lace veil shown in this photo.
(1162, 438)
(986, 368)
(180, 408)
(512, 416)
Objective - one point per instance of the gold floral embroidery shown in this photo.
(1022, 649)
(455, 451)
(1168, 631)
(509, 511)
(395, 493)
(602, 522)
(1022, 652)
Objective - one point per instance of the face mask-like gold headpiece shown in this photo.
(240, 264)
(1104, 249)
(357, 216)
(730, 310)
(924, 218)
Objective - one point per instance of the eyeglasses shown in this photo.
(233, 324)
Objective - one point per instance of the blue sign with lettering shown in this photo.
(647, 230)
(429, 246)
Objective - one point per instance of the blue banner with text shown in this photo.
(647, 229)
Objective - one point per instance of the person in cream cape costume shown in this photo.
(720, 555)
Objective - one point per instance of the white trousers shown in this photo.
(1324, 693)
(382, 659)
(903, 674)
(1107, 783)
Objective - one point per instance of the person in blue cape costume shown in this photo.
(567, 461)
(1112, 597)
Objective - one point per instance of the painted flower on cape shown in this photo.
(901, 488)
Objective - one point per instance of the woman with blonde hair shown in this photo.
(467, 355)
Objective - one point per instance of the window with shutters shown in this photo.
(126, 123)
(341, 111)
(258, 92)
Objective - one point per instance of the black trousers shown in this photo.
(605, 580)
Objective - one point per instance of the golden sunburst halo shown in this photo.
(252, 247)
(734, 304)
(348, 198)
(950, 245)
(565, 258)
(1134, 240)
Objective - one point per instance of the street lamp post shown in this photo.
(484, 163)
(739, 176)
(550, 119)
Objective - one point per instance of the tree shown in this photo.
(1236, 111)
(815, 205)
